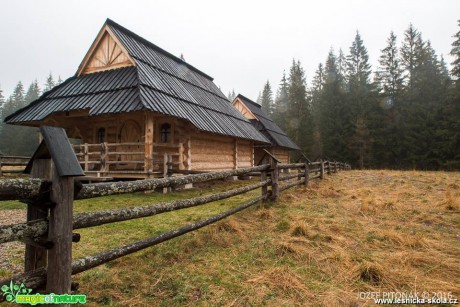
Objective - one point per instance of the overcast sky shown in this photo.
(241, 44)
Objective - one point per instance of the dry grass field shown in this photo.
(354, 232)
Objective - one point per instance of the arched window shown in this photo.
(165, 133)
(101, 135)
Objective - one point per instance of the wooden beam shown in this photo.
(149, 133)
(35, 257)
(59, 270)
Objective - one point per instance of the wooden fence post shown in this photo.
(307, 175)
(274, 177)
(59, 270)
(35, 256)
(263, 177)
(64, 166)
(321, 170)
(86, 156)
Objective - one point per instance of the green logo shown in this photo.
(20, 294)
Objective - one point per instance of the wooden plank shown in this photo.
(321, 174)
(306, 175)
(35, 257)
(149, 133)
(235, 154)
(274, 177)
(59, 268)
(189, 154)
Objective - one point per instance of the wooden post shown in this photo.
(263, 177)
(35, 257)
(307, 175)
(274, 177)
(321, 171)
(328, 167)
(235, 154)
(59, 270)
(181, 156)
(148, 146)
(64, 166)
(299, 177)
(86, 156)
(189, 154)
(167, 169)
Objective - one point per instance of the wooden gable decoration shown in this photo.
(105, 53)
(240, 106)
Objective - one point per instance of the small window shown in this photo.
(165, 133)
(101, 135)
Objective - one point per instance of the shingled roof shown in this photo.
(266, 125)
(157, 81)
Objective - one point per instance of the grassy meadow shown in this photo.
(353, 232)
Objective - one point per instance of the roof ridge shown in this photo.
(249, 100)
(150, 44)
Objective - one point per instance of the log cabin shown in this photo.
(134, 110)
(280, 144)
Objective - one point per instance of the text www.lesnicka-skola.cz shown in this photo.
(424, 297)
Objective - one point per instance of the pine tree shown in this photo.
(315, 101)
(411, 54)
(389, 78)
(280, 106)
(300, 123)
(19, 140)
(231, 95)
(455, 53)
(335, 123)
(266, 100)
(362, 98)
(49, 83)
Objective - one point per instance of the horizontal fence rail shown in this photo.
(15, 161)
(41, 193)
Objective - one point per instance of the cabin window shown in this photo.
(101, 135)
(165, 133)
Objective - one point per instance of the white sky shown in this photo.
(239, 43)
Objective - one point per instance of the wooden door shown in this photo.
(131, 133)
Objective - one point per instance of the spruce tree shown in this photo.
(50, 83)
(19, 140)
(315, 101)
(231, 95)
(299, 125)
(455, 53)
(362, 98)
(389, 78)
(280, 106)
(266, 99)
(335, 123)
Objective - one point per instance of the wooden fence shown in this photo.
(50, 192)
(12, 161)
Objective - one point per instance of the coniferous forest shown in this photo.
(404, 113)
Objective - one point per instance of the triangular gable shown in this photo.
(105, 53)
(243, 109)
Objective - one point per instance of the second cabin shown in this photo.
(280, 144)
(133, 109)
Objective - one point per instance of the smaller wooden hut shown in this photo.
(280, 145)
